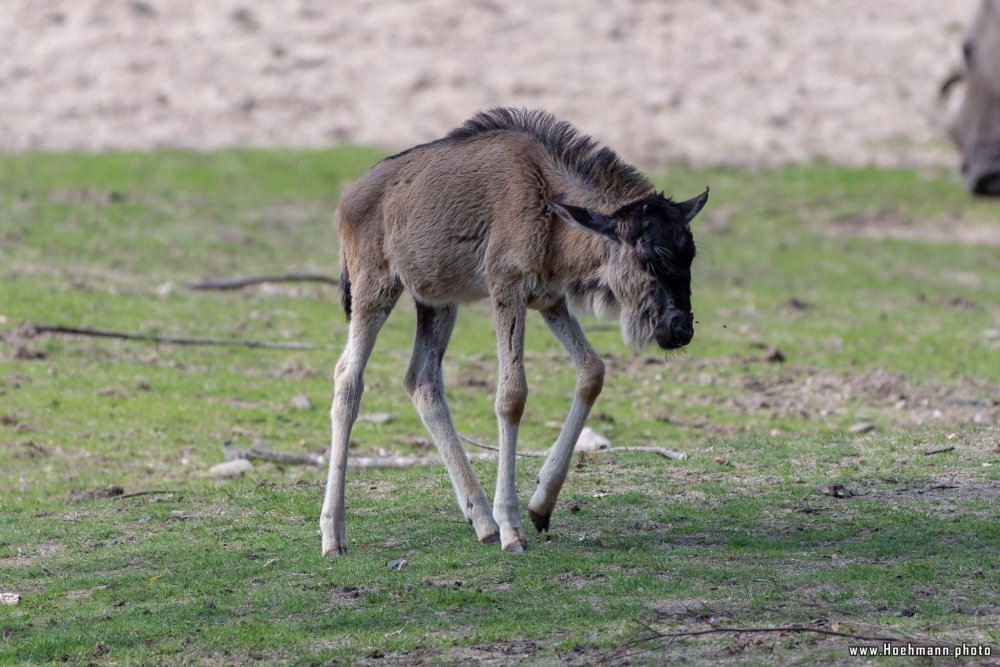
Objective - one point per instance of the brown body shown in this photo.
(521, 209)
(972, 94)
(450, 219)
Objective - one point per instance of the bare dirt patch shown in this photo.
(884, 397)
(28, 555)
(755, 81)
(891, 223)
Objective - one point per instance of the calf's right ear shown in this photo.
(585, 218)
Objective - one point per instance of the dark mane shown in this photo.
(579, 154)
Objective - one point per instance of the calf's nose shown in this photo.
(681, 328)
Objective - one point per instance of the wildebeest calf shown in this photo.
(518, 207)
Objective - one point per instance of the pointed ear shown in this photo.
(692, 207)
(592, 221)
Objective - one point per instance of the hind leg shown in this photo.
(371, 306)
(424, 382)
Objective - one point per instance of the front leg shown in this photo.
(589, 382)
(509, 311)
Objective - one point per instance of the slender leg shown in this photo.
(424, 382)
(589, 381)
(512, 392)
(366, 322)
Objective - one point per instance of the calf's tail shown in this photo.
(345, 292)
(345, 278)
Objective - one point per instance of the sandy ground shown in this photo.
(710, 81)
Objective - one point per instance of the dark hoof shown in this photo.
(516, 547)
(540, 522)
(492, 538)
(335, 550)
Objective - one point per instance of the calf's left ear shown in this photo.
(692, 207)
(592, 221)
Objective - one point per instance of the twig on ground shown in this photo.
(238, 283)
(530, 454)
(176, 340)
(403, 461)
(135, 494)
(667, 453)
(942, 450)
(251, 453)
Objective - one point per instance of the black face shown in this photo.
(656, 232)
(659, 230)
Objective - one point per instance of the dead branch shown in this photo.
(239, 283)
(176, 340)
(667, 453)
(403, 461)
(256, 453)
(942, 450)
(135, 494)
(529, 454)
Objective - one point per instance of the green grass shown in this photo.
(896, 331)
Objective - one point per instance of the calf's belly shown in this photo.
(442, 280)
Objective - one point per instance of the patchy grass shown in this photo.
(867, 281)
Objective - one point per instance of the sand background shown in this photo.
(745, 82)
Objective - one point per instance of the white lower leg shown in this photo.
(348, 387)
(506, 508)
(472, 501)
(332, 522)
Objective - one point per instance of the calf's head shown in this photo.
(649, 269)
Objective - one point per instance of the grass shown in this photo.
(883, 315)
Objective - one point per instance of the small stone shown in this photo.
(796, 303)
(861, 427)
(591, 441)
(836, 490)
(397, 564)
(774, 356)
(302, 402)
(10, 598)
(165, 289)
(230, 469)
(983, 420)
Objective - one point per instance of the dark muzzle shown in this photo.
(987, 184)
(678, 332)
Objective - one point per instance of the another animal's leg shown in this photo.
(370, 308)
(589, 381)
(424, 382)
(512, 391)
